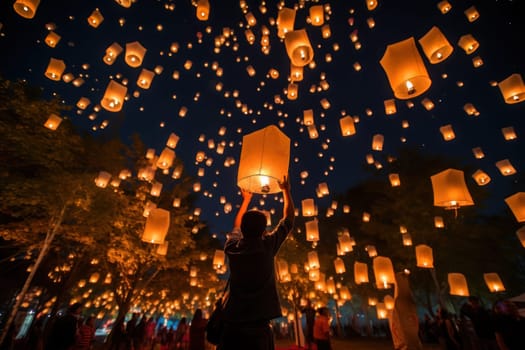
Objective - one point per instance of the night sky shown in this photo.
(339, 161)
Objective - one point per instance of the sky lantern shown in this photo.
(317, 15)
(360, 272)
(250, 19)
(424, 256)
(347, 126)
(308, 207)
(390, 106)
(428, 104)
(344, 293)
(124, 3)
(512, 89)
(444, 6)
(102, 179)
(55, 69)
(296, 73)
(203, 10)
(339, 266)
(493, 282)
(405, 69)
(371, 250)
(298, 47)
(481, 177)
(166, 158)
(96, 18)
(478, 153)
(516, 203)
(52, 39)
(173, 140)
(292, 91)
(372, 301)
(509, 133)
(83, 102)
(312, 230)
(26, 8)
(438, 222)
(394, 180)
(450, 189)
(468, 43)
(111, 53)
(389, 302)
(219, 259)
(345, 243)
(407, 239)
(313, 260)
(377, 142)
(447, 132)
(53, 122)
(157, 225)
(264, 160)
(477, 62)
(162, 249)
(383, 272)
(371, 4)
(314, 275)
(326, 32)
(435, 45)
(470, 109)
(134, 54)
(471, 13)
(521, 235)
(505, 167)
(114, 96)
(285, 21)
(95, 276)
(145, 78)
(458, 284)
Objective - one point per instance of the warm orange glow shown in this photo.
(458, 284)
(26, 8)
(435, 46)
(424, 256)
(512, 89)
(516, 203)
(450, 189)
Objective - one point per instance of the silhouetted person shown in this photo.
(64, 330)
(198, 331)
(322, 329)
(309, 314)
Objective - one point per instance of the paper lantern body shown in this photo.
(102, 179)
(444, 6)
(458, 284)
(450, 189)
(52, 39)
(339, 266)
(157, 225)
(111, 53)
(512, 89)
(308, 117)
(505, 167)
(114, 97)
(435, 46)
(493, 282)
(55, 69)
(313, 260)
(308, 207)
(371, 4)
(53, 121)
(521, 235)
(145, 78)
(516, 203)
(383, 272)
(468, 43)
(298, 47)
(162, 249)
(424, 256)
(26, 8)
(481, 177)
(405, 69)
(265, 155)
(317, 15)
(96, 18)
(285, 21)
(166, 158)
(219, 259)
(134, 54)
(203, 10)
(347, 126)
(312, 231)
(360, 272)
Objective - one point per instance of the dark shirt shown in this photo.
(512, 330)
(63, 333)
(253, 291)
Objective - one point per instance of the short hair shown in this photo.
(253, 223)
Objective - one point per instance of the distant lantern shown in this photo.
(521, 235)
(173, 140)
(264, 160)
(407, 239)
(371, 4)
(292, 91)
(326, 32)
(95, 276)
(468, 43)
(516, 203)
(481, 177)
(124, 3)
(447, 132)
(345, 243)
(435, 46)
(478, 153)
(317, 15)
(405, 69)
(370, 22)
(219, 259)
(26, 8)
(96, 18)
(424, 256)
(203, 10)
(470, 109)
(83, 102)
(114, 96)
(512, 89)
(347, 126)
(134, 54)
(505, 167)
(55, 69)
(493, 282)
(52, 39)
(389, 302)
(296, 73)
(371, 250)
(360, 272)
(325, 103)
(298, 47)
(166, 158)
(102, 179)
(472, 14)
(157, 225)
(458, 284)
(450, 189)
(308, 117)
(53, 121)
(438, 222)
(428, 104)
(339, 266)
(344, 293)
(383, 272)
(377, 142)
(313, 260)
(285, 21)
(394, 180)
(312, 230)
(444, 6)
(308, 207)
(477, 62)
(145, 78)
(162, 249)
(509, 133)
(250, 70)
(390, 107)
(111, 53)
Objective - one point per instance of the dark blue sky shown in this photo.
(498, 30)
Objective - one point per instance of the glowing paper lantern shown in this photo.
(428, 104)
(505, 167)
(383, 272)
(162, 249)
(145, 78)
(521, 235)
(218, 259)
(344, 293)
(157, 225)
(458, 284)
(292, 91)
(124, 3)
(407, 239)
(478, 153)
(173, 140)
(389, 302)
(308, 117)
(265, 155)
(95, 276)
(308, 207)
(102, 179)
(444, 6)
(339, 266)
(390, 107)
(377, 142)
(493, 282)
(26, 8)
(394, 180)
(468, 43)
(312, 231)
(296, 73)
(481, 177)
(298, 47)
(313, 260)
(450, 189)
(134, 54)
(95, 18)
(438, 222)
(55, 68)
(405, 69)
(371, 4)
(111, 53)
(83, 102)
(472, 14)
(516, 203)
(345, 243)
(203, 10)
(285, 21)
(347, 126)
(435, 45)
(512, 89)
(326, 31)
(113, 99)
(509, 133)
(52, 39)
(447, 132)
(53, 122)
(424, 256)
(371, 250)
(317, 15)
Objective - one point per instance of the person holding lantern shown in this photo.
(253, 299)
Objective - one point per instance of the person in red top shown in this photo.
(322, 329)
(86, 334)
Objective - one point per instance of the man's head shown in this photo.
(75, 308)
(253, 224)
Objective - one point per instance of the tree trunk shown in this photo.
(50, 235)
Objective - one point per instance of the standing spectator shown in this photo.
(253, 300)
(309, 314)
(322, 329)
(181, 331)
(64, 330)
(509, 326)
(86, 334)
(481, 330)
(197, 331)
(447, 332)
(150, 332)
(140, 333)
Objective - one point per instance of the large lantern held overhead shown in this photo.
(26, 8)
(384, 272)
(298, 47)
(458, 284)
(424, 256)
(157, 225)
(265, 155)
(493, 282)
(450, 189)
(516, 203)
(405, 69)
(512, 89)
(435, 46)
